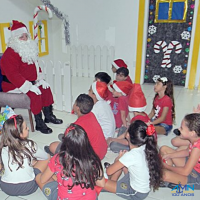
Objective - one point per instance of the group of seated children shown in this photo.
(75, 171)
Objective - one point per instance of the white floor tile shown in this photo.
(15, 198)
(3, 195)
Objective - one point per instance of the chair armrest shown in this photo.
(14, 100)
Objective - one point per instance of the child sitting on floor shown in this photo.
(87, 120)
(77, 167)
(101, 109)
(163, 112)
(183, 166)
(102, 77)
(180, 142)
(137, 105)
(119, 63)
(122, 74)
(141, 165)
(105, 78)
(21, 159)
(119, 103)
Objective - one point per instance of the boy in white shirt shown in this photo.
(101, 109)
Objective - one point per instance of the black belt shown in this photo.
(6, 80)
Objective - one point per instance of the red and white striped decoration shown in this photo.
(35, 19)
(166, 62)
(159, 44)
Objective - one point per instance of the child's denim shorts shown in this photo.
(167, 127)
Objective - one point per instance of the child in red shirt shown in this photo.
(136, 104)
(119, 63)
(122, 75)
(163, 112)
(87, 120)
(119, 102)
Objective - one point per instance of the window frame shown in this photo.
(2, 35)
(169, 20)
(45, 38)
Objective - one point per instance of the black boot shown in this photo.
(49, 116)
(40, 125)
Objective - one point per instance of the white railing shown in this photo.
(84, 62)
(87, 61)
(58, 75)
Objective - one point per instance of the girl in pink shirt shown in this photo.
(77, 168)
(183, 166)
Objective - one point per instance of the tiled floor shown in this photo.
(184, 99)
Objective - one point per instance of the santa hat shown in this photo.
(119, 63)
(100, 89)
(137, 100)
(17, 29)
(123, 86)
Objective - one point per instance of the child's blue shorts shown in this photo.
(167, 127)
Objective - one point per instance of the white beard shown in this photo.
(27, 50)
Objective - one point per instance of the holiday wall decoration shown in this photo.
(168, 40)
(35, 19)
(61, 16)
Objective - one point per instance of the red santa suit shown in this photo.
(20, 77)
(22, 74)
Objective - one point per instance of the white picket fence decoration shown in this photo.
(87, 61)
(58, 75)
(84, 62)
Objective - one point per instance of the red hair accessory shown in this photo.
(69, 129)
(164, 161)
(150, 130)
(15, 121)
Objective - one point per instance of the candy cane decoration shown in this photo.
(35, 19)
(166, 62)
(161, 44)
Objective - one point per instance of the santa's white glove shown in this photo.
(43, 83)
(35, 89)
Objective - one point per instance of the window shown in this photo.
(42, 37)
(4, 35)
(171, 11)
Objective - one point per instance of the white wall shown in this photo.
(105, 22)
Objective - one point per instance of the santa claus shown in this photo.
(22, 74)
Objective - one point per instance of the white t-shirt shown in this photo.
(22, 175)
(105, 117)
(135, 161)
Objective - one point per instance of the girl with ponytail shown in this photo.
(141, 165)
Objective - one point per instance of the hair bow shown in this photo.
(164, 79)
(15, 121)
(150, 130)
(69, 129)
